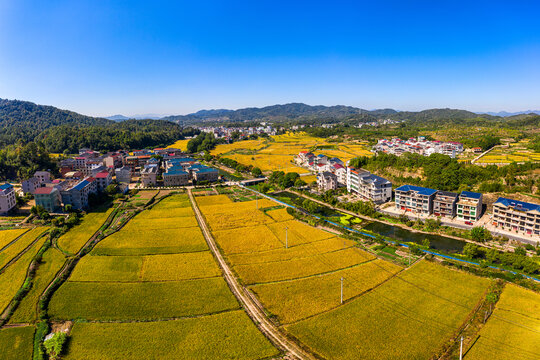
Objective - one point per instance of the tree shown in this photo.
(256, 171)
(478, 234)
(520, 251)
(471, 250)
(54, 345)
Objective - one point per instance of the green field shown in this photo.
(16, 343)
(75, 238)
(26, 311)
(513, 331)
(141, 301)
(229, 335)
(408, 317)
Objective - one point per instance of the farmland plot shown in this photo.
(513, 331)
(7, 236)
(408, 317)
(16, 343)
(75, 238)
(22, 243)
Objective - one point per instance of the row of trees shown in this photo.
(518, 259)
(22, 160)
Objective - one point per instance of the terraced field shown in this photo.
(159, 283)
(513, 331)
(7, 236)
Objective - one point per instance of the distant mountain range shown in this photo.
(505, 114)
(136, 117)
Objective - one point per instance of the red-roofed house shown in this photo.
(49, 198)
(103, 179)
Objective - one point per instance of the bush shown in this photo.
(54, 345)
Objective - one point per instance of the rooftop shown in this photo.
(44, 190)
(418, 189)
(471, 195)
(518, 205)
(6, 186)
(102, 175)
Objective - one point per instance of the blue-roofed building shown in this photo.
(7, 198)
(77, 195)
(415, 199)
(175, 176)
(516, 216)
(201, 172)
(469, 207)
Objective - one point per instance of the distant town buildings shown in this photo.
(222, 132)
(420, 146)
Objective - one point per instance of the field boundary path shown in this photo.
(252, 309)
(484, 153)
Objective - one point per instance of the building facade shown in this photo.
(49, 198)
(368, 186)
(149, 175)
(444, 204)
(29, 186)
(517, 216)
(327, 181)
(175, 176)
(469, 206)
(123, 175)
(7, 198)
(416, 199)
(103, 179)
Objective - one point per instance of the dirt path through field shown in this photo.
(255, 312)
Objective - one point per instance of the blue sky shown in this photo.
(176, 57)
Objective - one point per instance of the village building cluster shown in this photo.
(419, 146)
(222, 132)
(91, 173)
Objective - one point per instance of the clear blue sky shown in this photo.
(102, 57)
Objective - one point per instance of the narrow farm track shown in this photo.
(252, 308)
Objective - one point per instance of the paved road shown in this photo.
(255, 312)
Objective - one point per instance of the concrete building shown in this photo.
(43, 176)
(113, 160)
(517, 216)
(123, 175)
(469, 206)
(77, 195)
(29, 186)
(203, 173)
(7, 198)
(149, 175)
(175, 176)
(444, 204)
(416, 199)
(368, 186)
(103, 179)
(327, 181)
(49, 198)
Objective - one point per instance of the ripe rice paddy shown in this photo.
(75, 238)
(16, 343)
(408, 317)
(513, 331)
(22, 243)
(7, 236)
(229, 335)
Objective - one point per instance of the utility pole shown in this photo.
(286, 237)
(461, 349)
(342, 289)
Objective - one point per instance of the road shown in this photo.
(252, 309)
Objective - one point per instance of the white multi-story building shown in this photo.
(7, 198)
(149, 175)
(123, 175)
(29, 186)
(43, 176)
(368, 186)
(327, 181)
(517, 216)
(415, 199)
(469, 206)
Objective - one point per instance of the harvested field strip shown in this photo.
(13, 277)
(228, 335)
(24, 241)
(294, 300)
(158, 241)
(171, 267)
(401, 319)
(7, 236)
(17, 343)
(513, 331)
(293, 252)
(298, 232)
(75, 238)
(141, 301)
(303, 267)
(52, 262)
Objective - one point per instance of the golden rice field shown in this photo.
(279, 214)
(52, 262)
(22, 243)
(13, 276)
(180, 144)
(75, 238)
(17, 343)
(409, 316)
(164, 292)
(513, 331)
(509, 155)
(277, 153)
(229, 335)
(7, 236)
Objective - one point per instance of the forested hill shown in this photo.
(302, 113)
(62, 130)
